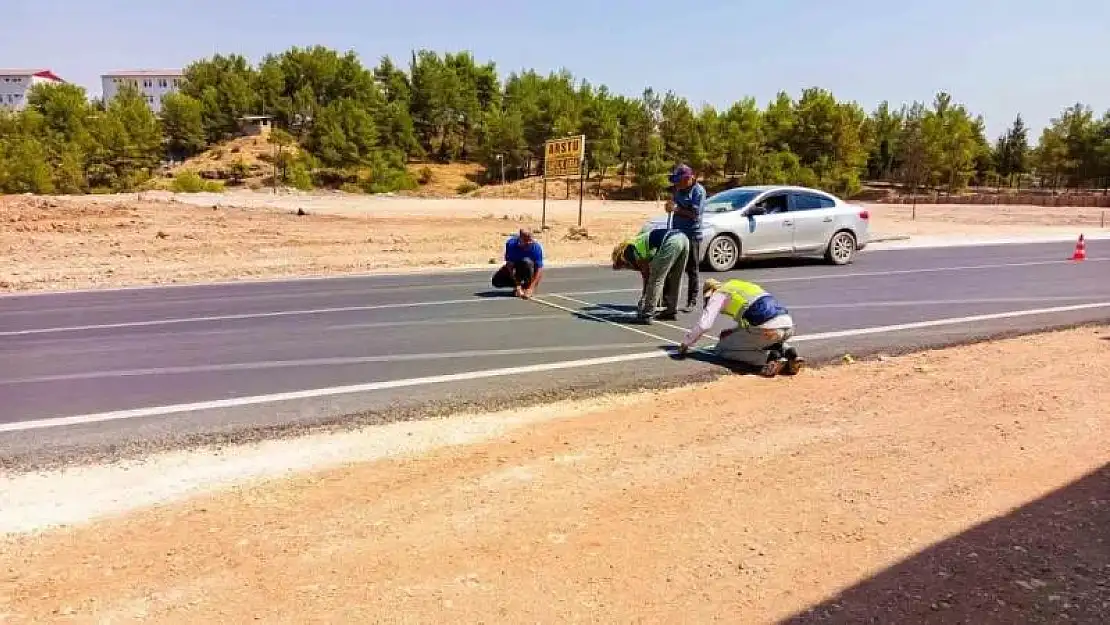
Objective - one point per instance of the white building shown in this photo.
(14, 84)
(153, 84)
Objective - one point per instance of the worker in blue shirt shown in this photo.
(523, 266)
(685, 207)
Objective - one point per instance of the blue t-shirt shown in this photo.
(691, 199)
(515, 253)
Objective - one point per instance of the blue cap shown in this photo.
(679, 173)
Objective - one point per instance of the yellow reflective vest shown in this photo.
(741, 296)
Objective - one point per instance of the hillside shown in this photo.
(444, 180)
(216, 163)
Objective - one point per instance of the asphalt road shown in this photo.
(106, 371)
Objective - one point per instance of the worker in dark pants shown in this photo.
(686, 207)
(523, 266)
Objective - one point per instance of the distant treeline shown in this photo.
(357, 125)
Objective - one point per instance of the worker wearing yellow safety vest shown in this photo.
(763, 331)
(660, 256)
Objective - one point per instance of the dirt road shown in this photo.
(946, 487)
(60, 243)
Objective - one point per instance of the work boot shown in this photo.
(666, 316)
(794, 362)
(775, 364)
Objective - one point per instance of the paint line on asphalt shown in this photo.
(218, 404)
(440, 322)
(898, 272)
(873, 274)
(947, 302)
(265, 315)
(898, 247)
(287, 313)
(135, 413)
(314, 362)
(293, 280)
(918, 325)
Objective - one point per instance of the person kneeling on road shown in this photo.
(763, 331)
(660, 257)
(523, 266)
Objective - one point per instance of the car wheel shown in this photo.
(723, 253)
(842, 248)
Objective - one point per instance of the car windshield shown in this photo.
(729, 200)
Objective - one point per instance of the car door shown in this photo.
(814, 220)
(772, 230)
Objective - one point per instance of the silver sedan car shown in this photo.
(776, 222)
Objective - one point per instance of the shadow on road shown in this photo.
(495, 293)
(706, 357)
(609, 308)
(1046, 562)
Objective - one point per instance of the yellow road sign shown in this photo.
(563, 157)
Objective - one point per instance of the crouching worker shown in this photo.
(523, 268)
(763, 331)
(660, 257)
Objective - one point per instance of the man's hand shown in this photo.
(682, 349)
(526, 293)
(669, 206)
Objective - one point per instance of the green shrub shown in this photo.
(466, 187)
(298, 176)
(189, 181)
(426, 175)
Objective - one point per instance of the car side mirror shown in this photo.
(756, 210)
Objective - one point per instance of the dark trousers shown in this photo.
(692, 263)
(523, 270)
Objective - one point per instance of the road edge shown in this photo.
(64, 458)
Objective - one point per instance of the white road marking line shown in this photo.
(441, 321)
(482, 269)
(285, 313)
(662, 323)
(279, 313)
(602, 319)
(421, 273)
(870, 274)
(946, 302)
(915, 325)
(39, 424)
(313, 362)
(154, 411)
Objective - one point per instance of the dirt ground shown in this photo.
(970, 485)
(63, 243)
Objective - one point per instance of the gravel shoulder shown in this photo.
(962, 485)
(158, 238)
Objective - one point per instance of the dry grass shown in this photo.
(438, 180)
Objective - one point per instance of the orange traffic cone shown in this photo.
(1080, 250)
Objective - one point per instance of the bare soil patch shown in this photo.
(959, 486)
(92, 241)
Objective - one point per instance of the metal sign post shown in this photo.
(581, 189)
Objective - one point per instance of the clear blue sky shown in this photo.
(999, 57)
